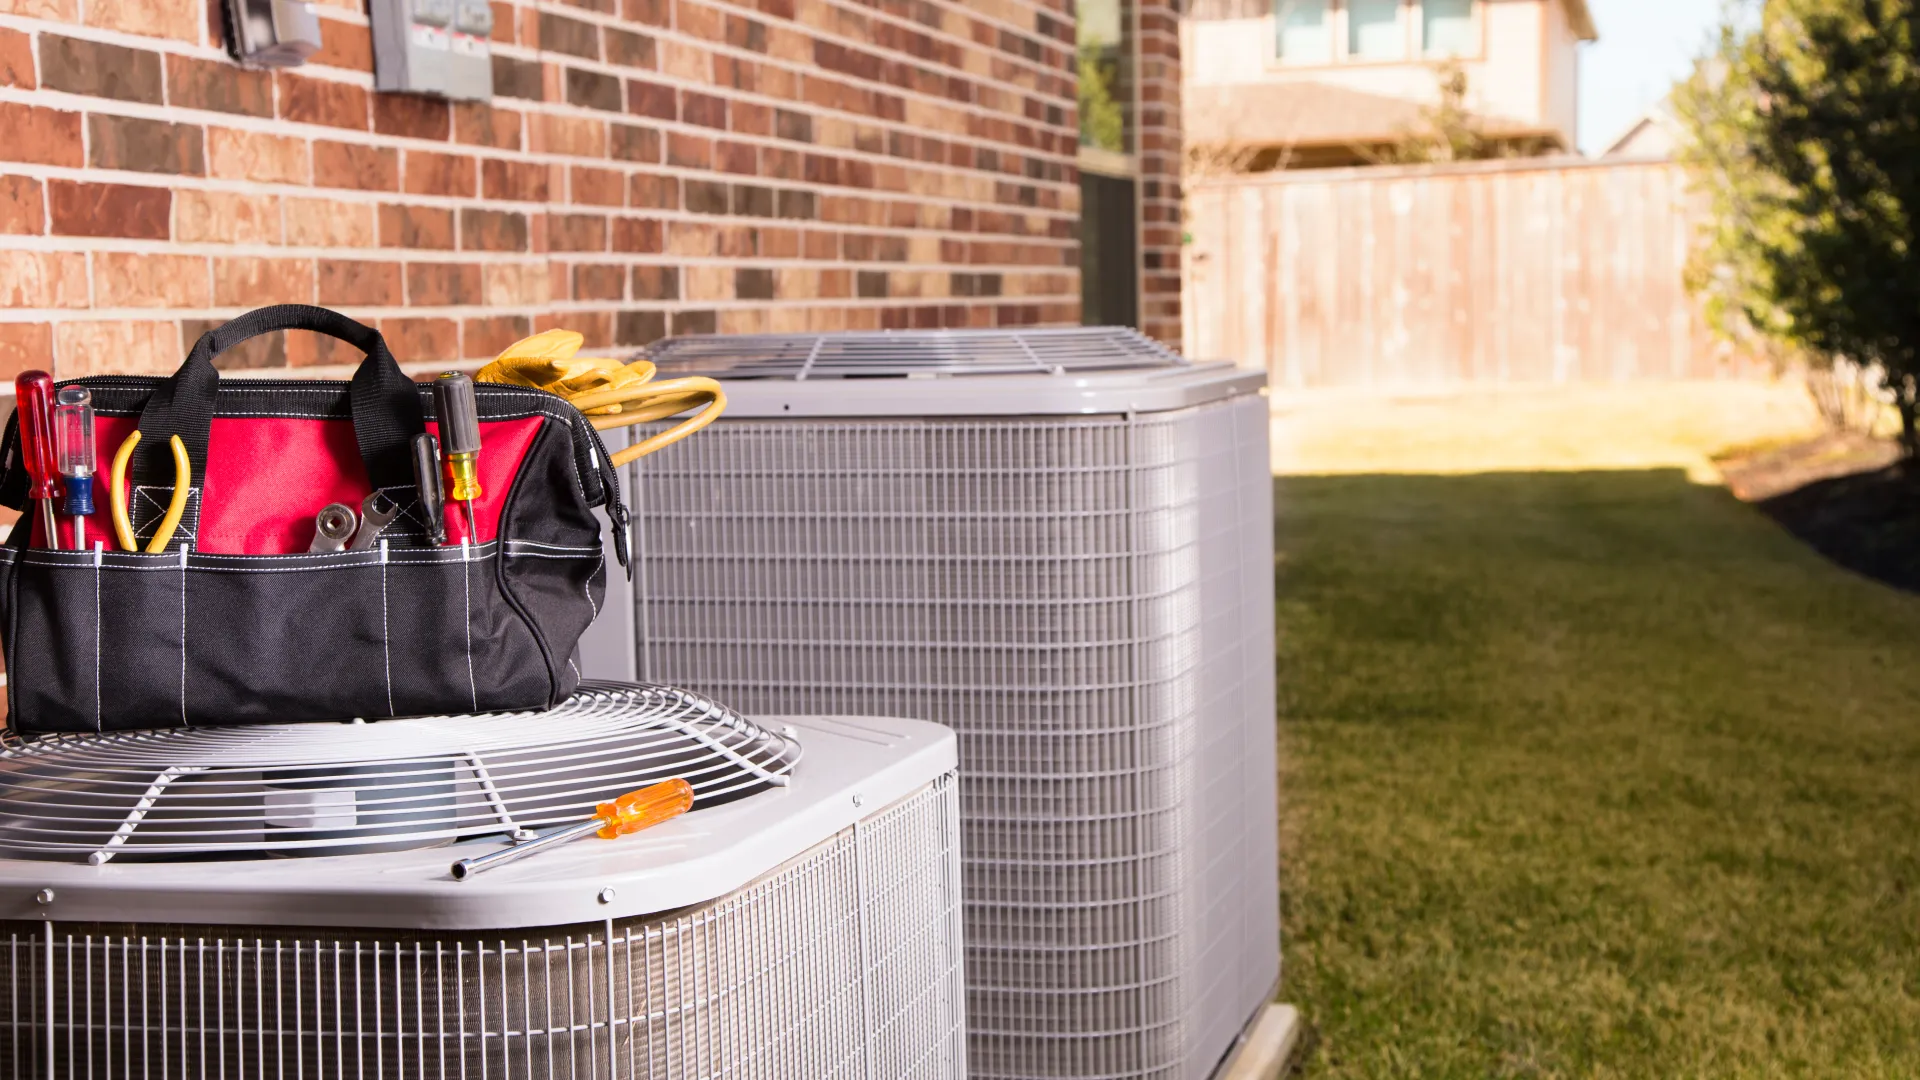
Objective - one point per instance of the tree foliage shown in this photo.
(1804, 128)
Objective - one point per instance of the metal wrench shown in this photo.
(372, 520)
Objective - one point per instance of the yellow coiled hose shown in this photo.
(611, 394)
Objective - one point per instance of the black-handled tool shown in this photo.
(459, 416)
(426, 477)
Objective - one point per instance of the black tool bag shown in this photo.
(236, 622)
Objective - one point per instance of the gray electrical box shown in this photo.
(272, 33)
(435, 47)
(470, 69)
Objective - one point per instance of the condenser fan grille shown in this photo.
(330, 789)
(902, 354)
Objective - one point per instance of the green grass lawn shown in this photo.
(1592, 775)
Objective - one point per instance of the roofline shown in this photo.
(1582, 19)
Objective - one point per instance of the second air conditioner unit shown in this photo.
(1059, 543)
(276, 901)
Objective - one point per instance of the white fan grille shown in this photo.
(908, 353)
(328, 789)
(1088, 603)
(842, 965)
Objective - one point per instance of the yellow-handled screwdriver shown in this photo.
(629, 813)
(459, 416)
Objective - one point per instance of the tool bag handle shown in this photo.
(384, 402)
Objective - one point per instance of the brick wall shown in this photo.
(1161, 153)
(647, 167)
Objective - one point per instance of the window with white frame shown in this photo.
(1325, 31)
(1303, 31)
(1446, 27)
(1373, 30)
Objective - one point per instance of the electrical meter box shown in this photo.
(272, 33)
(437, 47)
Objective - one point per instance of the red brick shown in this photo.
(638, 236)
(25, 346)
(344, 45)
(255, 282)
(224, 217)
(595, 326)
(328, 223)
(429, 173)
(139, 145)
(305, 349)
(150, 18)
(218, 86)
(486, 337)
(416, 227)
(703, 110)
(66, 11)
(525, 79)
(516, 181)
(116, 346)
(597, 187)
(355, 165)
(40, 136)
(576, 232)
(493, 230)
(126, 279)
(443, 284)
(100, 70)
(656, 283)
(593, 90)
(558, 33)
(503, 29)
(651, 99)
(631, 142)
(359, 283)
(742, 159)
(43, 279)
(485, 125)
(629, 49)
(750, 119)
(320, 101)
(419, 340)
(411, 116)
(689, 151)
(22, 208)
(652, 192)
(16, 60)
(517, 284)
(651, 12)
(253, 155)
(599, 282)
(578, 136)
(80, 209)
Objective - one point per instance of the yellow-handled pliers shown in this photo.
(117, 495)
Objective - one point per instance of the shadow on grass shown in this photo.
(1591, 774)
(1868, 522)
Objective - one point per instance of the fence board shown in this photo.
(1496, 272)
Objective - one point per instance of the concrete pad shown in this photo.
(1269, 1046)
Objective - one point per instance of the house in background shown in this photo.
(1653, 134)
(1316, 83)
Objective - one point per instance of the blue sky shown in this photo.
(1644, 45)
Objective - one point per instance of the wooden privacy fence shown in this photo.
(1532, 271)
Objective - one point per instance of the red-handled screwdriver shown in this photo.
(33, 402)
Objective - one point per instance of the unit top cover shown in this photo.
(1047, 371)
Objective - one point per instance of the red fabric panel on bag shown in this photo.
(267, 477)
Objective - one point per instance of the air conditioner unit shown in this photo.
(276, 901)
(1058, 542)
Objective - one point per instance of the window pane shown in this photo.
(1300, 30)
(1373, 30)
(1105, 92)
(1447, 27)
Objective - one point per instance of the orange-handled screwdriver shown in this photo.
(629, 813)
